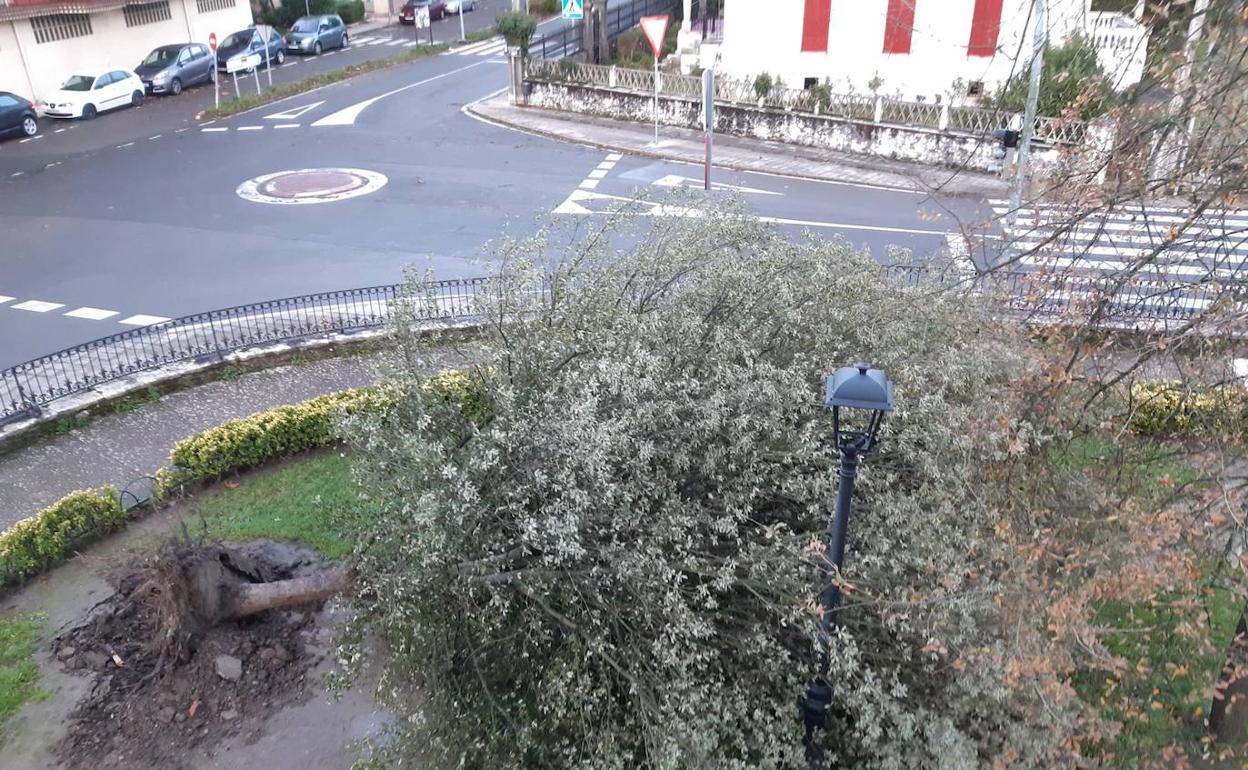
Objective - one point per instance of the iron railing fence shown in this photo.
(1036, 297)
(568, 40)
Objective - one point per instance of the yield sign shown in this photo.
(573, 9)
(655, 28)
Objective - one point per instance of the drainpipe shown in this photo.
(21, 54)
(186, 16)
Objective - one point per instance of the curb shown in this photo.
(472, 110)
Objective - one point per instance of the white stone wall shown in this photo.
(758, 40)
(110, 45)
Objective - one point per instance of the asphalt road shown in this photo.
(155, 229)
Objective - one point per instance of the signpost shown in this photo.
(708, 121)
(242, 63)
(655, 28)
(574, 9)
(216, 83)
(462, 34)
(420, 18)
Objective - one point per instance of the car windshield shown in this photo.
(304, 25)
(237, 39)
(160, 57)
(79, 83)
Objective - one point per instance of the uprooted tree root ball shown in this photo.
(197, 643)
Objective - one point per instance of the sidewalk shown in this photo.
(733, 152)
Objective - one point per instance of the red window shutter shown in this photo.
(900, 26)
(985, 26)
(815, 25)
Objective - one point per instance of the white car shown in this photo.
(455, 6)
(84, 96)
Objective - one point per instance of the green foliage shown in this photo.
(517, 29)
(763, 84)
(633, 51)
(31, 545)
(351, 11)
(615, 568)
(18, 673)
(279, 432)
(312, 500)
(1173, 409)
(284, 17)
(1072, 82)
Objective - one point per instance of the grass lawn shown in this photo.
(311, 499)
(18, 674)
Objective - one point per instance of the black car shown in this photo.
(17, 115)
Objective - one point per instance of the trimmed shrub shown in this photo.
(351, 11)
(545, 7)
(31, 545)
(1171, 409)
(517, 29)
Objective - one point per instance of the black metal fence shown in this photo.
(205, 337)
(27, 387)
(568, 40)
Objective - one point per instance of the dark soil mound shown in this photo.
(167, 687)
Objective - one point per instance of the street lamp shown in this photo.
(858, 388)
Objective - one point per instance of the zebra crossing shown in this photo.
(1142, 261)
(391, 42)
(491, 47)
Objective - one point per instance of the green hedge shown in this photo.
(251, 441)
(31, 545)
(351, 11)
(1171, 409)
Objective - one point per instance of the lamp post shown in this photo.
(860, 388)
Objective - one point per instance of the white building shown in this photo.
(915, 49)
(42, 42)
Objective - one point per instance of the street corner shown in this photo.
(311, 185)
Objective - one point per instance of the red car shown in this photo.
(437, 10)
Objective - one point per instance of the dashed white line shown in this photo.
(124, 146)
(287, 125)
(614, 157)
(180, 130)
(59, 130)
(589, 184)
(598, 173)
(91, 313)
(37, 306)
(17, 173)
(251, 128)
(396, 42)
(143, 320)
(154, 138)
(211, 130)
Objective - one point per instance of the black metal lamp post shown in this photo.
(857, 387)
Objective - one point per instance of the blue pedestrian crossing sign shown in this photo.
(574, 9)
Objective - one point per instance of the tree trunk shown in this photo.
(250, 598)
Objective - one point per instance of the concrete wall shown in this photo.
(858, 137)
(758, 41)
(110, 45)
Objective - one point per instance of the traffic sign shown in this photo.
(421, 17)
(655, 28)
(212, 41)
(242, 63)
(574, 9)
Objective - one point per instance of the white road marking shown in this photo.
(615, 157)
(37, 306)
(673, 180)
(124, 146)
(330, 53)
(4, 299)
(143, 320)
(287, 125)
(153, 138)
(24, 141)
(396, 42)
(91, 313)
(17, 173)
(294, 112)
(53, 163)
(598, 173)
(380, 41)
(411, 44)
(180, 130)
(208, 122)
(347, 116)
(251, 128)
(475, 48)
(361, 40)
(59, 130)
(589, 184)
(210, 130)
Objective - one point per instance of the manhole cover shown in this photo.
(311, 185)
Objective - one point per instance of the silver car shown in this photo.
(171, 68)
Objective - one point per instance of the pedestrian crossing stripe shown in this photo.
(484, 48)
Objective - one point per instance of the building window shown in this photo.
(207, 6)
(809, 83)
(60, 26)
(975, 88)
(147, 13)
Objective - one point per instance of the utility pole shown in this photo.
(1041, 40)
(1195, 27)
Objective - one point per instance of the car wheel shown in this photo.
(136, 98)
(88, 112)
(316, 49)
(345, 39)
(175, 87)
(281, 56)
(29, 126)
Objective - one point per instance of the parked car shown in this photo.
(17, 115)
(84, 96)
(313, 34)
(254, 39)
(437, 10)
(170, 68)
(458, 6)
